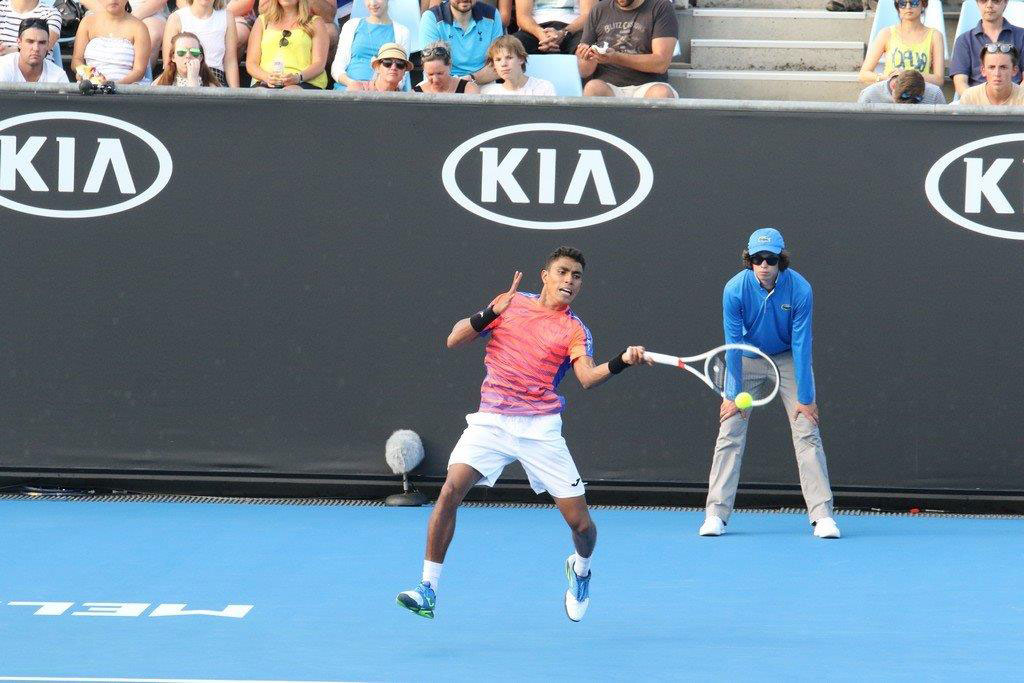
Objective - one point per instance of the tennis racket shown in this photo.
(760, 374)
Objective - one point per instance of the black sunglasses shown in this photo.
(900, 4)
(757, 260)
(285, 35)
(905, 96)
(388, 63)
(435, 53)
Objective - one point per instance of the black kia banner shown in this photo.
(234, 286)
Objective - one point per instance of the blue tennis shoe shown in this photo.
(420, 600)
(577, 597)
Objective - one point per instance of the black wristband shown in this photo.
(616, 365)
(481, 320)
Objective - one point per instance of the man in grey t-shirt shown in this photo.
(902, 87)
(626, 48)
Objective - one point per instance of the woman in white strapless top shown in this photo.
(113, 42)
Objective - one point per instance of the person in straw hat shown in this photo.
(389, 69)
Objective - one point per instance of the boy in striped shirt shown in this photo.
(533, 340)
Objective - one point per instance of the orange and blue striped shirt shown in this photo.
(529, 351)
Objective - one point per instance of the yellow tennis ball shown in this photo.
(744, 400)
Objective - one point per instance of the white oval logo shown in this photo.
(981, 191)
(563, 181)
(76, 165)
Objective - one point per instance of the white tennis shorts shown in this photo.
(492, 441)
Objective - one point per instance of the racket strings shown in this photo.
(758, 379)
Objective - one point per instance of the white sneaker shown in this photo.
(712, 526)
(826, 528)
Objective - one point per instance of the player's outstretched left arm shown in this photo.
(591, 375)
(466, 329)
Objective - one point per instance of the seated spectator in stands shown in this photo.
(469, 28)
(113, 42)
(215, 27)
(436, 59)
(361, 40)
(187, 65)
(633, 62)
(507, 57)
(243, 13)
(1000, 64)
(30, 64)
(14, 12)
(965, 66)
(389, 69)
(908, 45)
(288, 47)
(551, 26)
(904, 86)
(506, 9)
(153, 14)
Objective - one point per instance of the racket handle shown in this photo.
(662, 358)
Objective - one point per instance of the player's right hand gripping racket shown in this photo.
(760, 374)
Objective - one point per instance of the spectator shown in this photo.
(469, 28)
(551, 26)
(288, 47)
(904, 86)
(909, 45)
(436, 59)
(506, 9)
(244, 16)
(14, 12)
(153, 14)
(113, 42)
(389, 69)
(187, 64)
(626, 48)
(965, 66)
(361, 40)
(29, 64)
(507, 57)
(215, 28)
(1000, 64)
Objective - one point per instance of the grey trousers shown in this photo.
(810, 455)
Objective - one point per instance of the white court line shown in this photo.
(49, 679)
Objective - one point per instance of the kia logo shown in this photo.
(547, 176)
(67, 164)
(981, 178)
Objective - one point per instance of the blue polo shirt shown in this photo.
(774, 322)
(967, 50)
(469, 46)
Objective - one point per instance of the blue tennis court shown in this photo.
(898, 597)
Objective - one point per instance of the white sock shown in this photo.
(581, 565)
(432, 573)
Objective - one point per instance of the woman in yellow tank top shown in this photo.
(907, 45)
(288, 47)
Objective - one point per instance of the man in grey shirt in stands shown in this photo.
(902, 87)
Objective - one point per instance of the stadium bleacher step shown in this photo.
(776, 55)
(774, 24)
(813, 86)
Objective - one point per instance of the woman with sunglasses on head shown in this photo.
(436, 59)
(360, 41)
(507, 57)
(112, 42)
(907, 45)
(187, 66)
(389, 69)
(288, 47)
(215, 28)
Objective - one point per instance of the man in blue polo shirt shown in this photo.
(769, 305)
(965, 67)
(469, 28)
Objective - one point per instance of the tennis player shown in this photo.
(769, 305)
(533, 340)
